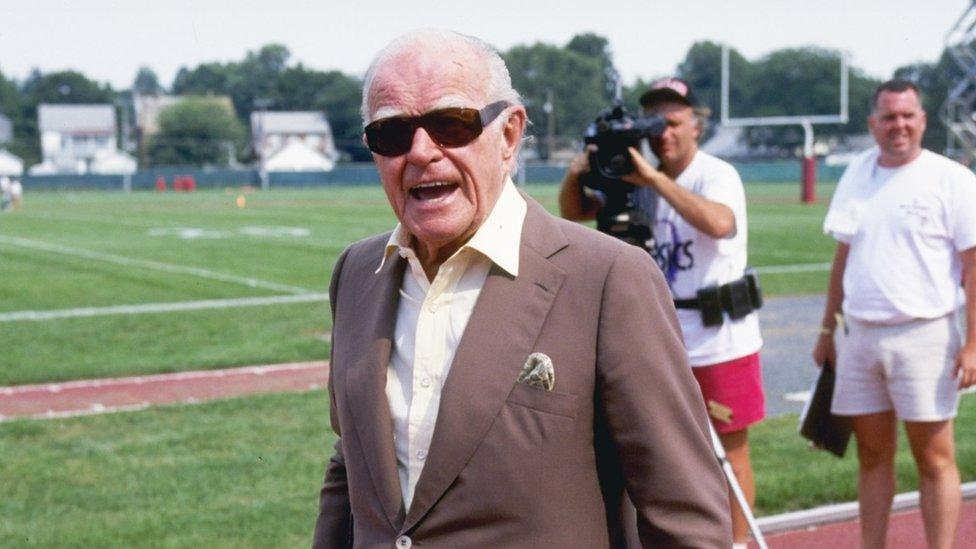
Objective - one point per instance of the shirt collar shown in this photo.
(498, 238)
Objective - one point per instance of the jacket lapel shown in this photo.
(365, 382)
(500, 335)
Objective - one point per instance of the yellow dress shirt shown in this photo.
(431, 317)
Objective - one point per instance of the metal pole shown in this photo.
(809, 194)
(736, 489)
(725, 85)
(550, 109)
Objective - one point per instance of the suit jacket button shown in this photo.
(404, 542)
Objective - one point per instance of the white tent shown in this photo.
(298, 157)
(113, 162)
(10, 164)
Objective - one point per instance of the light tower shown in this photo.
(957, 111)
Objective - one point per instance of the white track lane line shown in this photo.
(149, 308)
(179, 376)
(801, 268)
(147, 264)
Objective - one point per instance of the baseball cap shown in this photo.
(668, 89)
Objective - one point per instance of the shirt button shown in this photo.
(403, 254)
(432, 308)
(425, 382)
(421, 454)
(404, 542)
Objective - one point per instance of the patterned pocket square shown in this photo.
(538, 372)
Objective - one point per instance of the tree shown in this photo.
(575, 81)
(205, 79)
(11, 106)
(786, 82)
(702, 69)
(195, 131)
(257, 76)
(336, 94)
(597, 47)
(64, 87)
(146, 82)
(265, 76)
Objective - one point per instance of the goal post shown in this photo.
(806, 121)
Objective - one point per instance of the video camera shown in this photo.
(613, 131)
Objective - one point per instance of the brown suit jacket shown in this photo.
(511, 465)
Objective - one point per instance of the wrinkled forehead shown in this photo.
(416, 81)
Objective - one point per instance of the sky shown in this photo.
(108, 40)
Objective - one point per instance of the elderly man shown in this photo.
(499, 377)
(905, 221)
(696, 206)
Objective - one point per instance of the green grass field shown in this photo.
(90, 251)
(245, 473)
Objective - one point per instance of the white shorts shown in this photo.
(907, 367)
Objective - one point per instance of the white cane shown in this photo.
(736, 489)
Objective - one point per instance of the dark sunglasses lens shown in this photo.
(453, 127)
(390, 136)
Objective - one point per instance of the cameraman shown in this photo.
(695, 206)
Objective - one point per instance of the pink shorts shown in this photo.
(733, 392)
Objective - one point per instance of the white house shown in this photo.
(293, 140)
(74, 136)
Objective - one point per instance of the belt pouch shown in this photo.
(735, 298)
(711, 306)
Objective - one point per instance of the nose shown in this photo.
(423, 149)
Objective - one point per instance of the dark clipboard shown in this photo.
(823, 429)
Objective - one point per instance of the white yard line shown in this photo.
(148, 264)
(146, 308)
(96, 409)
(800, 268)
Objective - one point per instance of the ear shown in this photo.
(512, 132)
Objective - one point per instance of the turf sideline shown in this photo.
(148, 264)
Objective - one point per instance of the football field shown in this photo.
(105, 284)
(96, 284)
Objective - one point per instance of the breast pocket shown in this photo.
(550, 402)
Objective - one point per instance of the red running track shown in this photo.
(904, 530)
(94, 396)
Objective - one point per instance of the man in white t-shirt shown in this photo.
(697, 204)
(905, 222)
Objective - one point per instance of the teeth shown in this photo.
(432, 184)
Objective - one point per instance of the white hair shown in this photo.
(498, 86)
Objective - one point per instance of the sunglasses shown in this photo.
(451, 127)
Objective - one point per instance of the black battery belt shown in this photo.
(737, 298)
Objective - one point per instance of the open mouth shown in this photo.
(433, 190)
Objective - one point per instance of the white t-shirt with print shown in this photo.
(906, 227)
(691, 260)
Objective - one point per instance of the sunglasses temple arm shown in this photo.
(492, 111)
